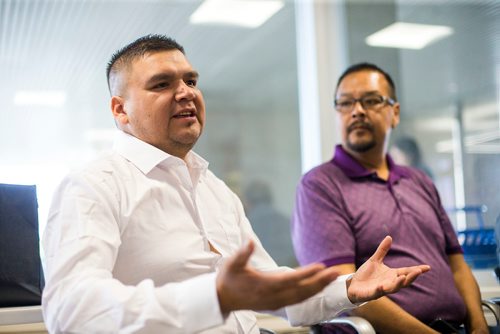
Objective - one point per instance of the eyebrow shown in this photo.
(364, 93)
(169, 76)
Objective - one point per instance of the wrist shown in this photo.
(352, 298)
(221, 296)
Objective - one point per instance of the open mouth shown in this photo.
(185, 114)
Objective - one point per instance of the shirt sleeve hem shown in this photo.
(198, 303)
(338, 260)
(454, 250)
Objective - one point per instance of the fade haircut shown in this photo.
(359, 67)
(124, 57)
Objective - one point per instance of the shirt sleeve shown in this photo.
(81, 242)
(323, 306)
(321, 231)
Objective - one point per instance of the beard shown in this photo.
(361, 146)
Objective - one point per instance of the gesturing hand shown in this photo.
(239, 286)
(374, 279)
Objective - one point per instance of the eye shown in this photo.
(161, 85)
(345, 103)
(191, 83)
(371, 101)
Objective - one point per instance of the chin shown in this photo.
(188, 138)
(361, 146)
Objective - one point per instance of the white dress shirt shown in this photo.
(127, 248)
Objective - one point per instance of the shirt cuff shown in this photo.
(336, 294)
(197, 303)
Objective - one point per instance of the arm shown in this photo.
(468, 289)
(81, 242)
(239, 286)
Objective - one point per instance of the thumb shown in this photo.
(382, 249)
(240, 259)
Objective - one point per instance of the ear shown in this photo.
(395, 115)
(118, 110)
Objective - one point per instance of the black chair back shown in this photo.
(21, 273)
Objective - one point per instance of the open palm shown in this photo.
(374, 279)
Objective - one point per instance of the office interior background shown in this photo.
(268, 88)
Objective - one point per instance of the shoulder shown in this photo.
(327, 170)
(326, 174)
(102, 172)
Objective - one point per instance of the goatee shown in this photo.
(361, 147)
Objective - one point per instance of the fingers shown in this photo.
(295, 287)
(395, 286)
(424, 268)
(293, 279)
(240, 259)
(382, 249)
(321, 279)
(413, 272)
(408, 275)
(409, 270)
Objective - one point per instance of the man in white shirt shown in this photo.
(146, 239)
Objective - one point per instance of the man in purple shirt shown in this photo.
(346, 206)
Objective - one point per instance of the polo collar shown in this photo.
(353, 169)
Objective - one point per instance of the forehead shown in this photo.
(150, 63)
(363, 81)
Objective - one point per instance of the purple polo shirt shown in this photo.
(343, 212)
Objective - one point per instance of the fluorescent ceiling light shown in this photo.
(408, 35)
(49, 98)
(245, 13)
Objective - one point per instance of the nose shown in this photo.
(358, 110)
(184, 92)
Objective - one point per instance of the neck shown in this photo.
(374, 160)
(177, 150)
(181, 154)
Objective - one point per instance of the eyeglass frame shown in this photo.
(386, 100)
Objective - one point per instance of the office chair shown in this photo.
(360, 325)
(266, 331)
(21, 275)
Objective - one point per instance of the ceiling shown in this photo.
(65, 45)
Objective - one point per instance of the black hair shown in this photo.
(368, 67)
(149, 43)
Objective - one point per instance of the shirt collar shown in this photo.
(354, 169)
(146, 157)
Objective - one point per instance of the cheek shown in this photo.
(203, 118)
(341, 125)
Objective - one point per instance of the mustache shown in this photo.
(359, 124)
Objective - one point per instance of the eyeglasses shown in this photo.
(368, 102)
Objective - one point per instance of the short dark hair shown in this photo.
(368, 67)
(149, 43)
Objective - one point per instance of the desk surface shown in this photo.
(37, 328)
